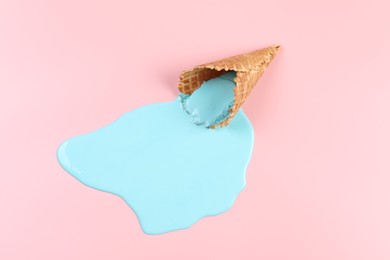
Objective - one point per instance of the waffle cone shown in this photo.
(249, 67)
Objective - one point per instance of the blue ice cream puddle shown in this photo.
(170, 171)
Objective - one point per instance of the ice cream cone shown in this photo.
(249, 67)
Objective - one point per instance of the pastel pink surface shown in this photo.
(318, 183)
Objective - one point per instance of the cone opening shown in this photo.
(211, 103)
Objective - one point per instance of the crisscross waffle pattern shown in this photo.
(249, 68)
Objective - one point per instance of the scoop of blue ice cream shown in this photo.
(211, 102)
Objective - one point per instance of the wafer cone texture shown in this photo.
(249, 67)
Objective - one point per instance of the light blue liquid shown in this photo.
(170, 171)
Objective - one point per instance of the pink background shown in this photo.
(318, 185)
